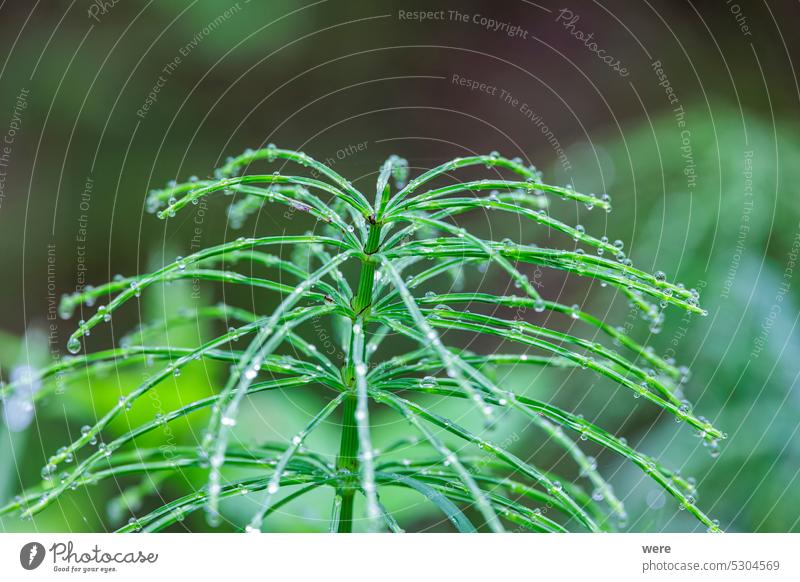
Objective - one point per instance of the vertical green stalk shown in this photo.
(347, 461)
(366, 281)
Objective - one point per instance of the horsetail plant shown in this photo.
(400, 243)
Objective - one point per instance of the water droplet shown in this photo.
(428, 382)
(74, 345)
(48, 471)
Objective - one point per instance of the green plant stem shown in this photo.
(347, 461)
(366, 281)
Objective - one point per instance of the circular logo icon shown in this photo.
(31, 555)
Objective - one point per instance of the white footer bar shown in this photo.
(419, 557)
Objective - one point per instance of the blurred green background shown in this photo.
(697, 144)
